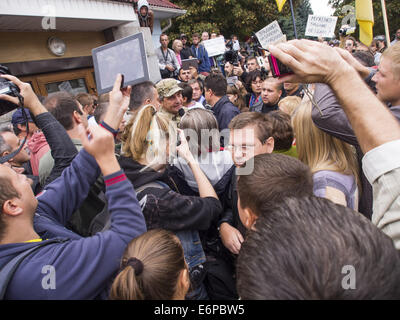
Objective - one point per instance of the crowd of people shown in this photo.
(218, 182)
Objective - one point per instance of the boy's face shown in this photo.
(244, 145)
(143, 11)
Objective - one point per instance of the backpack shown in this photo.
(7, 272)
(102, 221)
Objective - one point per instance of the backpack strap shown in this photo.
(7, 272)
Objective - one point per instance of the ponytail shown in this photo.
(126, 286)
(151, 268)
(135, 134)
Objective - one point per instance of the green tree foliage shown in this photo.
(392, 9)
(240, 17)
(301, 15)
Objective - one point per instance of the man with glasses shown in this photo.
(250, 135)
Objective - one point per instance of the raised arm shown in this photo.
(62, 149)
(73, 186)
(314, 62)
(377, 130)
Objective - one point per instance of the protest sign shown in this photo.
(215, 46)
(318, 26)
(271, 34)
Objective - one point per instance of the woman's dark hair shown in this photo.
(253, 75)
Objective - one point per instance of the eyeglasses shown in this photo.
(244, 149)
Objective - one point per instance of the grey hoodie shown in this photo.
(213, 164)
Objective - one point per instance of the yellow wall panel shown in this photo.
(31, 46)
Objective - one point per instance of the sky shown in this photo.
(321, 7)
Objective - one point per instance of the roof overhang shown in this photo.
(65, 15)
(166, 13)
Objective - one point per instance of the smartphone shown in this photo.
(278, 69)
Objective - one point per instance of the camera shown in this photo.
(346, 30)
(256, 46)
(8, 88)
(232, 57)
(278, 69)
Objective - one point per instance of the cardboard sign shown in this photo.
(271, 34)
(318, 26)
(215, 47)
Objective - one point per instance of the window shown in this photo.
(74, 81)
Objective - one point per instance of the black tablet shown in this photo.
(126, 56)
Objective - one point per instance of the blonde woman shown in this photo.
(177, 46)
(332, 161)
(147, 141)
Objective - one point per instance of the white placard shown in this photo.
(215, 46)
(319, 26)
(65, 86)
(271, 34)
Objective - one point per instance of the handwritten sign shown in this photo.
(271, 34)
(215, 47)
(318, 26)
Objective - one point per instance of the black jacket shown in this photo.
(231, 212)
(186, 53)
(268, 108)
(165, 207)
(224, 111)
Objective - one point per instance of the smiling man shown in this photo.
(388, 77)
(171, 98)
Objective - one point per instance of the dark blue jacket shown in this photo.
(224, 110)
(202, 55)
(83, 267)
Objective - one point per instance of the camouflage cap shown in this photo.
(167, 88)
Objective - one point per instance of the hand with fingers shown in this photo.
(231, 237)
(119, 103)
(311, 61)
(183, 148)
(348, 57)
(99, 143)
(31, 101)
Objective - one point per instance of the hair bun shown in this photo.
(136, 264)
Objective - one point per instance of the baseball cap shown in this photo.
(183, 36)
(18, 117)
(167, 88)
